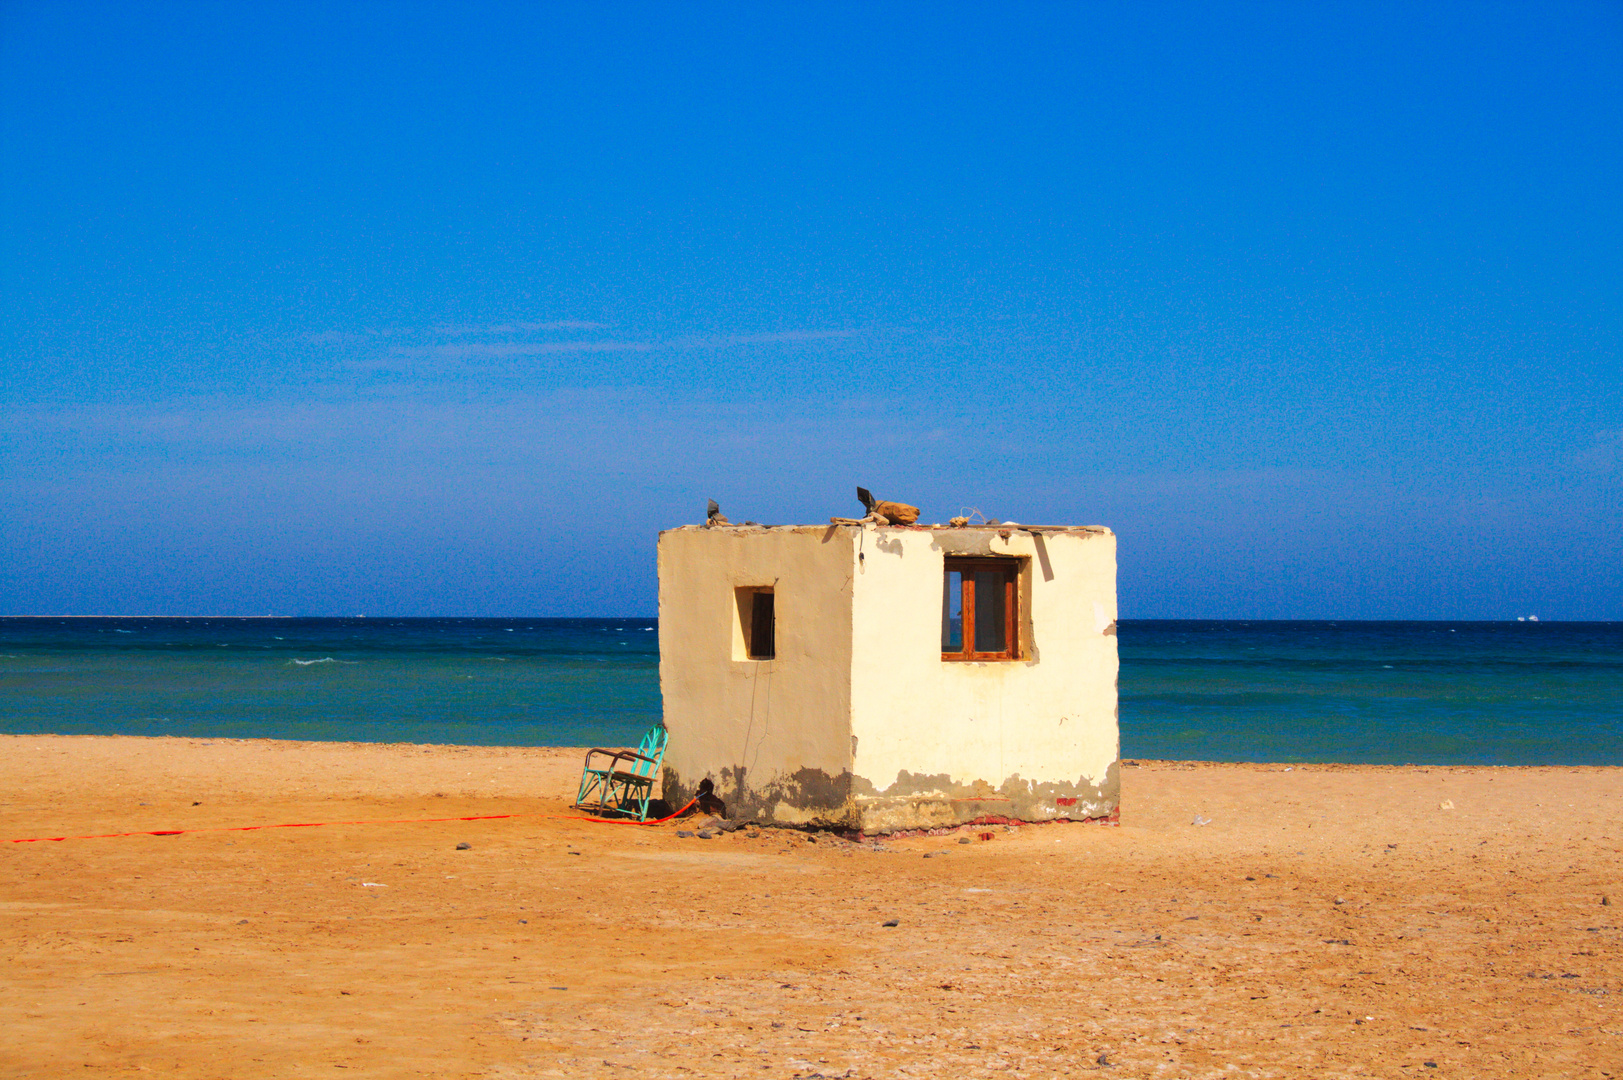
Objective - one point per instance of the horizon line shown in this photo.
(1530, 620)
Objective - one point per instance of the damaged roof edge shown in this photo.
(1096, 530)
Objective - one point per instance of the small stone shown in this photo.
(965, 840)
(1446, 804)
(1104, 1059)
(1429, 1064)
(1341, 899)
(242, 922)
(464, 846)
(707, 834)
(891, 922)
(1606, 901)
(685, 833)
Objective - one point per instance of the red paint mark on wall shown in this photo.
(1063, 801)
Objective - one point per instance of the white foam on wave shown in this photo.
(323, 660)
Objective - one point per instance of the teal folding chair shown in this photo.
(621, 783)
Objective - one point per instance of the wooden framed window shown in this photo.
(980, 610)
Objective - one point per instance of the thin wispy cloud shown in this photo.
(463, 350)
(403, 355)
(373, 334)
(520, 327)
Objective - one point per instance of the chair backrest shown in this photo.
(652, 745)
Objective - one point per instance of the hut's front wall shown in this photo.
(773, 735)
(937, 742)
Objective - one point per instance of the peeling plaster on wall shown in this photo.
(808, 797)
(814, 798)
(890, 546)
(915, 801)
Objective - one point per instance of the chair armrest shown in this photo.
(616, 755)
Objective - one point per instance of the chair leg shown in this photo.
(591, 783)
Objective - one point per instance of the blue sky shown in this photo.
(448, 309)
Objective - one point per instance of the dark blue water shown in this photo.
(1374, 692)
(1433, 693)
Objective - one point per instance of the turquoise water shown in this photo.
(1432, 693)
(488, 682)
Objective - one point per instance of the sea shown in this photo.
(1463, 693)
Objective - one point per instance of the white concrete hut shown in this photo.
(883, 678)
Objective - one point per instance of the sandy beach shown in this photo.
(1324, 921)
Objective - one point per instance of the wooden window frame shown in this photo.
(1011, 571)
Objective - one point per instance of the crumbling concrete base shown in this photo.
(813, 799)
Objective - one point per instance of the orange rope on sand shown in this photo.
(628, 821)
(317, 824)
(250, 828)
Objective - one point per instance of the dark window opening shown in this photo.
(762, 636)
(980, 610)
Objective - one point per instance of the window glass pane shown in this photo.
(952, 612)
(989, 610)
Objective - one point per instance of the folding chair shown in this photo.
(621, 783)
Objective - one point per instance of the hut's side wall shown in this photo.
(773, 735)
(940, 742)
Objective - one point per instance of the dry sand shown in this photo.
(1329, 921)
